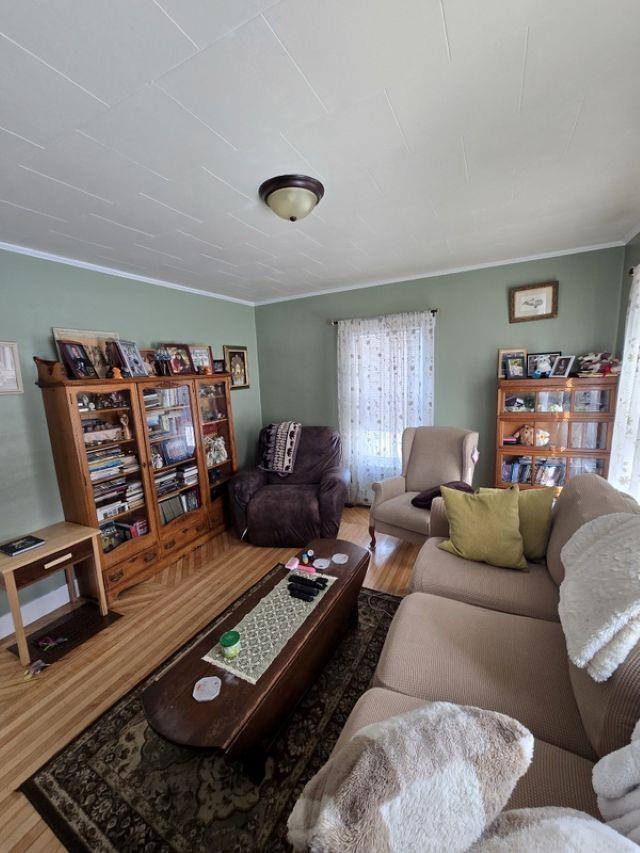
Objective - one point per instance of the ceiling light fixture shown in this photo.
(292, 197)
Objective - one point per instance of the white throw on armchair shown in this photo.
(431, 456)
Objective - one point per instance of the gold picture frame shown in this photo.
(237, 364)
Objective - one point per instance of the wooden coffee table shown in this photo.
(243, 719)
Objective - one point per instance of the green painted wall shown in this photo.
(631, 259)
(36, 295)
(297, 348)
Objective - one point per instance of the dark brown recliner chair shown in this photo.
(290, 511)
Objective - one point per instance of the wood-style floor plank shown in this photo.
(38, 717)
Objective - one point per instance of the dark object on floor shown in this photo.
(426, 498)
(76, 627)
(271, 511)
(119, 785)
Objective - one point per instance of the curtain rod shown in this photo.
(433, 312)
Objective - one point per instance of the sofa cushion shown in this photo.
(531, 593)
(400, 512)
(297, 511)
(485, 527)
(583, 498)
(440, 649)
(555, 777)
(535, 512)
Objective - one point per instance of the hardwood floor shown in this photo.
(38, 717)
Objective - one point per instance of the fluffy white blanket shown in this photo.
(600, 594)
(550, 830)
(428, 780)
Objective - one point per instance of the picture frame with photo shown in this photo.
(175, 450)
(504, 354)
(516, 367)
(10, 376)
(219, 365)
(236, 361)
(533, 302)
(150, 361)
(540, 364)
(94, 343)
(562, 366)
(131, 358)
(201, 358)
(76, 360)
(179, 360)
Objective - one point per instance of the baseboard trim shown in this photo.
(34, 610)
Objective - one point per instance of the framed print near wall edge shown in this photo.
(10, 376)
(236, 360)
(533, 302)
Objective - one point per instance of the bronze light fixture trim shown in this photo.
(291, 197)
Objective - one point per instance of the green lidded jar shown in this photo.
(230, 642)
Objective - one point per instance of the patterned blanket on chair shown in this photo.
(279, 447)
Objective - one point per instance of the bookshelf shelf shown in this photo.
(138, 542)
(571, 421)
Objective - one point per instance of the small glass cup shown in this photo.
(230, 642)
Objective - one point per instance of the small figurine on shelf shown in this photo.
(215, 450)
(527, 436)
(157, 461)
(116, 373)
(126, 431)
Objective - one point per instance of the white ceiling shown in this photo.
(448, 133)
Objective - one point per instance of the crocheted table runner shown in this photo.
(265, 630)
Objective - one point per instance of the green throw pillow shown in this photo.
(485, 527)
(534, 508)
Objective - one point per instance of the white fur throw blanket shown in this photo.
(428, 780)
(551, 830)
(616, 781)
(600, 594)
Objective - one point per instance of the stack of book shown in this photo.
(110, 489)
(151, 398)
(188, 476)
(104, 464)
(133, 529)
(107, 511)
(166, 482)
(134, 495)
(517, 469)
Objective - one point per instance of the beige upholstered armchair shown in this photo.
(430, 456)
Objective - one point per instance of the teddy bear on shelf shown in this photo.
(529, 436)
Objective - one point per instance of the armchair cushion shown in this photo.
(400, 512)
(284, 516)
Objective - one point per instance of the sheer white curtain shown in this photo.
(624, 469)
(385, 383)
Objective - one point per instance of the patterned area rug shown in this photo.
(120, 787)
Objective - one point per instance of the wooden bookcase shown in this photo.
(578, 414)
(131, 457)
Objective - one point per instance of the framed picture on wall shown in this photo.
(236, 362)
(533, 302)
(10, 378)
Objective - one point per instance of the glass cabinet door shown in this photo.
(553, 401)
(588, 435)
(171, 436)
(592, 400)
(113, 461)
(214, 417)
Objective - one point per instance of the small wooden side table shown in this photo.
(65, 546)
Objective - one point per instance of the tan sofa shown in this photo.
(478, 635)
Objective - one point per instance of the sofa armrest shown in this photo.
(387, 489)
(242, 488)
(332, 496)
(439, 521)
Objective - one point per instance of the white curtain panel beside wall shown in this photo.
(385, 383)
(624, 467)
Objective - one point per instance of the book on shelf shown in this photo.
(516, 469)
(20, 545)
(550, 472)
(131, 530)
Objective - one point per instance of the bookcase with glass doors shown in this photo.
(571, 426)
(146, 460)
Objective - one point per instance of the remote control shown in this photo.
(314, 583)
(301, 596)
(307, 590)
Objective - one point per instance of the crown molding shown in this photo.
(635, 232)
(86, 265)
(448, 271)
